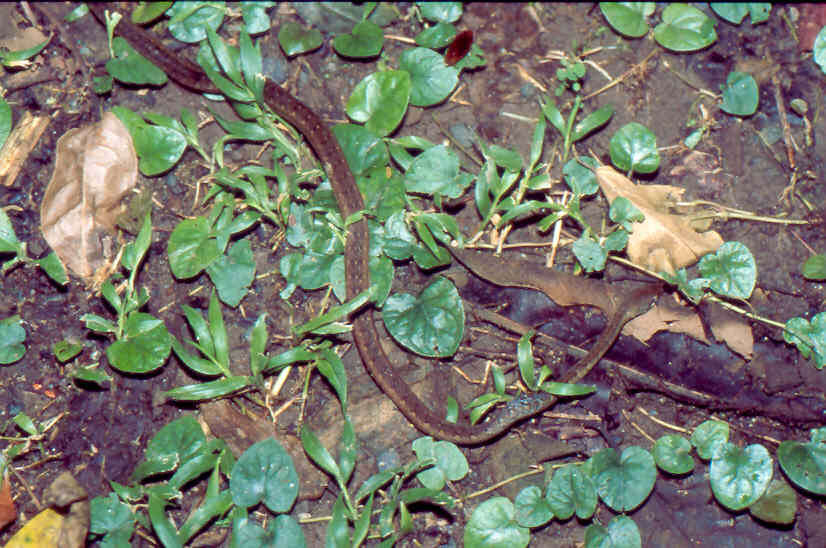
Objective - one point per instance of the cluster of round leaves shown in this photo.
(740, 477)
(683, 27)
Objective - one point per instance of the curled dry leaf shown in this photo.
(95, 167)
(664, 241)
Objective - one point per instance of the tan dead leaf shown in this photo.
(732, 329)
(8, 513)
(727, 327)
(23, 39)
(95, 167)
(666, 316)
(664, 241)
(69, 498)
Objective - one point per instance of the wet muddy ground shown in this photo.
(742, 163)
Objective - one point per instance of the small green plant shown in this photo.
(572, 133)
(179, 455)
(569, 76)
(740, 477)
(142, 342)
(10, 245)
(33, 435)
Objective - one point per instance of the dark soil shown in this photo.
(776, 395)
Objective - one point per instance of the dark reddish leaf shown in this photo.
(460, 47)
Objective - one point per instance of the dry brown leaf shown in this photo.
(664, 241)
(22, 39)
(727, 327)
(95, 167)
(69, 497)
(8, 513)
(666, 316)
(732, 329)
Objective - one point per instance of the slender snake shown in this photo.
(357, 273)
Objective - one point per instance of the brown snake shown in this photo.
(357, 274)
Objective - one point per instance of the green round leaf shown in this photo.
(144, 347)
(815, 268)
(190, 20)
(808, 337)
(759, 12)
(436, 171)
(634, 148)
(309, 270)
(709, 438)
(308, 228)
(109, 514)
(380, 101)
(436, 36)
(671, 453)
(255, 16)
(739, 476)
(177, 442)
(431, 80)
(281, 531)
(532, 510)
(805, 464)
(131, 67)
(493, 525)
(295, 39)
(233, 273)
(589, 253)
(12, 336)
(451, 464)
(621, 531)
(383, 195)
(441, 12)
(625, 213)
(571, 490)
(684, 28)
(366, 40)
(363, 149)
(777, 505)
(158, 148)
(819, 49)
(731, 269)
(740, 96)
(623, 482)
(733, 12)
(628, 18)
(264, 473)
(431, 324)
(579, 178)
(190, 248)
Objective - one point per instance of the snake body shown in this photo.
(357, 273)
